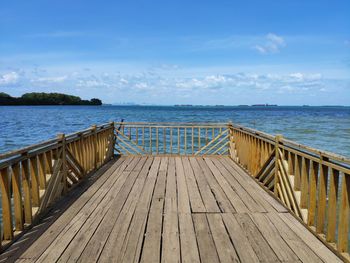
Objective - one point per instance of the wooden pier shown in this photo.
(170, 192)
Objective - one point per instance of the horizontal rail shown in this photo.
(313, 184)
(32, 178)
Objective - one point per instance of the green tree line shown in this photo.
(41, 98)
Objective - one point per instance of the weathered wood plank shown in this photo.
(183, 198)
(171, 242)
(221, 238)
(239, 239)
(234, 198)
(206, 246)
(247, 199)
(197, 205)
(300, 247)
(273, 238)
(189, 248)
(220, 196)
(152, 243)
(256, 240)
(206, 193)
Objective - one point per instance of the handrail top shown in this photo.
(215, 124)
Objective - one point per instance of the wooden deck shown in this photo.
(173, 209)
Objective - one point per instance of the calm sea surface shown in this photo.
(326, 128)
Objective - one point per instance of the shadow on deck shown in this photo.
(169, 209)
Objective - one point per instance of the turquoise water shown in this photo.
(326, 128)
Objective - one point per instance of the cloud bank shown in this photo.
(151, 85)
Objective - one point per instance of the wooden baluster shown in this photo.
(150, 140)
(137, 136)
(91, 152)
(278, 138)
(100, 146)
(164, 140)
(94, 146)
(83, 152)
(312, 193)
(291, 160)
(304, 188)
(332, 205)
(297, 172)
(17, 196)
(185, 141)
(343, 226)
(35, 181)
(322, 197)
(157, 140)
(6, 204)
(178, 140)
(26, 191)
(199, 138)
(42, 171)
(206, 136)
(192, 140)
(171, 140)
(251, 160)
(61, 137)
(48, 166)
(143, 138)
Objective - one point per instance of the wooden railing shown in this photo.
(34, 177)
(313, 184)
(171, 138)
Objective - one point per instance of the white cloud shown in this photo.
(272, 44)
(50, 79)
(275, 39)
(9, 78)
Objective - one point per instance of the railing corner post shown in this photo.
(62, 137)
(278, 139)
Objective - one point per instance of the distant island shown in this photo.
(41, 98)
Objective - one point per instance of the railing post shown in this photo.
(94, 131)
(61, 137)
(278, 139)
(112, 143)
(231, 146)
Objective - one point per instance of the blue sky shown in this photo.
(171, 52)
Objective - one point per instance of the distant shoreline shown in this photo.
(46, 99)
